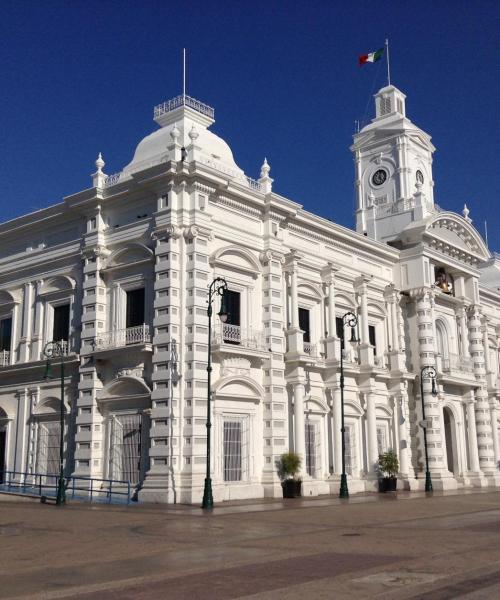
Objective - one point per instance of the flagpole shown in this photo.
(388, 63)
(184, 72)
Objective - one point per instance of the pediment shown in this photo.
(453, 235)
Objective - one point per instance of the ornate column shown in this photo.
(331, 325)
(294, 334)
(461, 314)
(365, 351)
(299, 428)
(371, 429)
(24, 342)
(337, 434)
(494, 429)
(482, 409)
(38, 340)
(427, 353)
(472, 435)
(401, 413)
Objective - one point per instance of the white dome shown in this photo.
(214, 150)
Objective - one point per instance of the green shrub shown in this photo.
(389, 464)
(289, 465)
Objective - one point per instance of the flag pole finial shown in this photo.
(388, 63)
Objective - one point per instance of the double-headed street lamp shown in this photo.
(430, 372)
(58, 350)
(218, 287)
(351, 320)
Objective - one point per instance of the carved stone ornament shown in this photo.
(137, 371)
(235, 365)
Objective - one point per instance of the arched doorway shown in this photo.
(125, 404)
(450, 437)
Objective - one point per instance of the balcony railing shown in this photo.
(183, 100)
(457, 363)
(4, 358)
(234, 334)
(123, 337)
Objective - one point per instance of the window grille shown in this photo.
(313, 457)
(350, 449)
(129, 447)
(381, 439)
(235, 450)
(48, 446)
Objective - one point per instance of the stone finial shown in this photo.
(193, 134)
(99, 163)
(99, 178)
(265, 181)
(265, 169)
(175, 133)
(465, 213)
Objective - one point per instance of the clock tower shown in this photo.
(393, 159)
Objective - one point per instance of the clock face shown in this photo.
(379, 177)
(419, 176)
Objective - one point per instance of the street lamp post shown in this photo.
(57, 350)
(428, 371)
(217, 287)
(351, 320)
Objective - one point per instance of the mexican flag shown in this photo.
(371, 57)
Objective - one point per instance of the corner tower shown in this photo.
(393, 157)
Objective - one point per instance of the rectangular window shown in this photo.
(339, 326)
(233, 435)
(135, 308)
(312, 446)
(233, 303)
(372, 339)
(60, 329)
(381, 439)
(231, 329)
(304, 323)
(5, 334)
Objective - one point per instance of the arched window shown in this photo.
(442, 340)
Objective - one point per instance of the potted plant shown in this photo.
(388, 464)
(288, 467)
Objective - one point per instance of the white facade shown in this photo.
(121, 271)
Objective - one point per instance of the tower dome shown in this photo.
(185, 121)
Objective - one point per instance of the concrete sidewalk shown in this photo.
(371, 546)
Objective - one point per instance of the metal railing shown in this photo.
(4, 358)
(234, 334)
(81, 488)
(183, 100)
(310, 349)
(123, 337)
(112, 179)
(454, 362)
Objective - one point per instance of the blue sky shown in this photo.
(79, 77)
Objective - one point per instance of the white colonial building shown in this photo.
(120, 273)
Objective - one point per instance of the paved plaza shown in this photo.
(372, 546)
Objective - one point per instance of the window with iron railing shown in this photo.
(233, 304)
(60, 327)
(305, 323)
(5, 334)
(135, 308)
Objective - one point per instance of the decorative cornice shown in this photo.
(237, 205)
